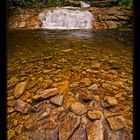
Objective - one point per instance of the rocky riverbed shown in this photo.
(71, 85)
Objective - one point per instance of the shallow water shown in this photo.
(38, 55)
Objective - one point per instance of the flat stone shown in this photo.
(68, 101)
(79, 134)
(78, 108)
(37, 107)
(51, 134)
(116, 122)
(105, 85)
(25, 96)
(10, 110)
(110, 114)
(50, 123)
(44, 114)
(19, 129)
(11, 103)
(85, 96)
(68, 125)
(91, 105)
(45, 94)
(93, 87)
(96, 65)
(22, 107)
(109, 102)
(94, 114)
(19, 89)
(57, 110)
(47, 83)
(38, 135)
(95, 130)
(62, 87)
(58, 100)
(11, 134)
(86, 81)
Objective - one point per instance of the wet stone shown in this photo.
(94, 115)
(38, 135)
(44, 114)
(68, 125)
(25, 96)
(47, 83)
(110, 114)
(62, 87)
(68, 101)
(93, 87)
(11, 134)
(19, 129)
(96, 65)
(95, 130)
(11, 103)
(37, 107)
(10, 110)
(51, 134)
(57, 100)
(79, 134)
(19, 89)
(116, 122)
(109, 102)
(22, 107)
(85, 96)
(105, 85)
(45, 94)
(86, 81)
(78, 108)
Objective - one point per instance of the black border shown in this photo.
(3, 95)
(136, 85)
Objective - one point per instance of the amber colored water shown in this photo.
(37, 55)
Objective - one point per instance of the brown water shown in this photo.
(36, 56)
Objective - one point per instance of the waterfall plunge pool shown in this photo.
(44, 57)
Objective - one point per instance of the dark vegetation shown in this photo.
(49, 3)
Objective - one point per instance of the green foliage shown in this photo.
(54, 2)
(30, 3)
(125, 3)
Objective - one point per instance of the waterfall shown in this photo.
(83, 4)
(61, 18)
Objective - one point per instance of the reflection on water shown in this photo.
(38, 56)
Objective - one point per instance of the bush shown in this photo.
(125, 3)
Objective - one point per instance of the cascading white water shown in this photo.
(83, 4)
(61, 18)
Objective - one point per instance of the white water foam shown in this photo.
(61, 18)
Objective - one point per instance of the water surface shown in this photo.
(57, 55)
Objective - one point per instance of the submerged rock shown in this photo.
(11, 134)
(86, 81)
(19, 129)
(85, 96)
(68, 126)
(45, 94)
(58, 100)
(51, 134)
(116, 122)
(93, 87)
(22, 107)
(95, 130)
(19, 89)
(109, 102)
(94, 114)
(79, 134)
(78, 108)
(62, 87)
